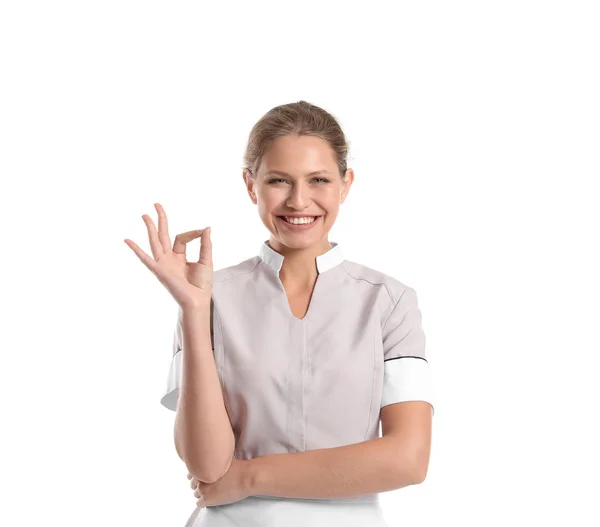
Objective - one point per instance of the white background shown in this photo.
(474, 130)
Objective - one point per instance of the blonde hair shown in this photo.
(297, 118)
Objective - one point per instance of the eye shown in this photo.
(275, 180)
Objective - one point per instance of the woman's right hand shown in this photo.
(190, 283)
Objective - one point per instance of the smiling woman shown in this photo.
(299, 160)
(306, 346)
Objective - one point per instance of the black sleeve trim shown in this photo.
(407, 357)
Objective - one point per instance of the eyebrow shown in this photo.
(281, 173)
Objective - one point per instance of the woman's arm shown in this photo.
(203, 435)
(373, 466)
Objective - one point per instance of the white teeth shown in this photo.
(297, 221)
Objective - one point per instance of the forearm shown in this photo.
(203, 435)
(352, 470)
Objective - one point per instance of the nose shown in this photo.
(299, 197)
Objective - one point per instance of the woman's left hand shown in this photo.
(230, 488)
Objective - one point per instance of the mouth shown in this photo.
(299, 226)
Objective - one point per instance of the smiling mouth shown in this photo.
(315, 218)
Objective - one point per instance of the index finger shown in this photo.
(183, 238)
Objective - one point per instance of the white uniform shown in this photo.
(292, 385)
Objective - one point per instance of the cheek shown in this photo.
(331, 216)
(269, 205)
(269, 200)
(332, 202)
(265, 212)
(265, 208)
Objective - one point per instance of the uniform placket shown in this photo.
(296, 393)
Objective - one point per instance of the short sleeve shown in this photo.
(171, 395)
(406, 369)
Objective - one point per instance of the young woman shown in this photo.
(285, 364)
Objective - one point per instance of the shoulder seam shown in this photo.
(365, 280)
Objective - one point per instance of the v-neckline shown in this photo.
(310, 300)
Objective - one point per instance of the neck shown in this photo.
(299, 270)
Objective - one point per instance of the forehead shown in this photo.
(302, 154)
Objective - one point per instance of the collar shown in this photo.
(325, 261)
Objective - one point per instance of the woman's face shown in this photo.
(284, 185)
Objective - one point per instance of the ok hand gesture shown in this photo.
(190, 283)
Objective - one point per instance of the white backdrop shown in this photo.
(474, 130)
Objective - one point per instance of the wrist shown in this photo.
(195, 310)
(249, 477)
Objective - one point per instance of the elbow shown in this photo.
(203, 468)
(419, 474)
(420, 466)
(206, 473)
(217, 475)
(209, 474)
(413, 466)
(207, 464)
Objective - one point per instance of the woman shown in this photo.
(293, 357)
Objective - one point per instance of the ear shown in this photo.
(348, 180)
(250, 183)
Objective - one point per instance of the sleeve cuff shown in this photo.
(406, 379)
